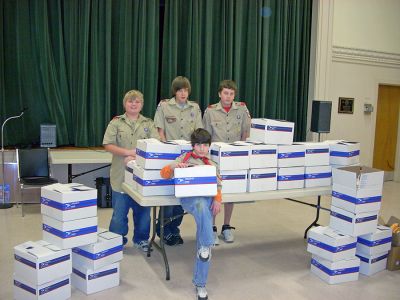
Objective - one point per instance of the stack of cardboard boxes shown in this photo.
(353, 240)
(143, 174)
(43, 269)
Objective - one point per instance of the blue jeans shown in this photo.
(200, 209)
(119, 222)
(173, 226)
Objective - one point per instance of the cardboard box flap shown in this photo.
(39, 252)
(108, 235)
(53, 247)
(392, 220)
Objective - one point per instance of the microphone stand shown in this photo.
(3, 204)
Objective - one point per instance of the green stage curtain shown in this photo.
(262, 45)
(71, 62)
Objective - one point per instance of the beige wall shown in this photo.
(364, 52)
(367, 24)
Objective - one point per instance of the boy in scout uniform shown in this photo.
(227, 121)
(120, 139)
(176, 119)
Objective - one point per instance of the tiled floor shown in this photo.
(267, 261)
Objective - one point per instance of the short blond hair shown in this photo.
(133, 94)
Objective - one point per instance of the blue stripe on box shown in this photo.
(331, 248)
(334, 272)
(53, 287)
(345, 154)
(195, 180)
(355, 200)
(98, 255)
(263, 152)
(291, 155)
(55, 261)
(70, 233)
(154, 182)
(25, 287)
(261, 176)
(366, 219)
(258, 126)
(233, 177)
(79, 273)
(234, 153)
(155, 155)
(25, 261)
(279, 128)
(290, 177)
(130, 170)
(372, 261)
(102, 274)
(342, 217)
(68, 206)
(214, 152)
(318, 175)
(374, 243)
(317, 151)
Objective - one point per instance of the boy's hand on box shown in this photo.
(216, 207)
(129, 158)
(182, 165)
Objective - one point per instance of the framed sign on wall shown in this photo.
(346, 105)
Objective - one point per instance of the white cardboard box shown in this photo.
(356, 200)
(262, 155)
(195, 181)
(67, 202)
(235, 156)
(353, 224)
(375, 243)
(358, 177)
(59, 289)
(260, 180)
(150, 183)
(337, 271)
(316, 154)
(234, 181)
(40, 262)
(272, 131)
(69, 234)
(290, 178)
(330, 244)
(93, 281)
(107, 250)
(291, 155)
(130, 177)
(371, 264)
(344, 153)
(317, 176)
(153, 154)
(185, 146)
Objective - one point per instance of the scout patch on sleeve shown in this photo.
(170, 119)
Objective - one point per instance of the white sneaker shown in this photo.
(204, 253)
(142, 245)
(216, 238)
(201, 293)
(227, 235)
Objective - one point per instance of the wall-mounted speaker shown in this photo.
(321, 116)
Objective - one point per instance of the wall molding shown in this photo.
(364, 56)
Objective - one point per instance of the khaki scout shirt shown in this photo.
(178, 123)
(225, 126)
(124, 133)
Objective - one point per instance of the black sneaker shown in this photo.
(171, 240)
(179, 238)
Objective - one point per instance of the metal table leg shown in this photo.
(160, 247)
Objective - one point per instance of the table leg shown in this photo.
(160, 247)
(315, 223)
(69, 173)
